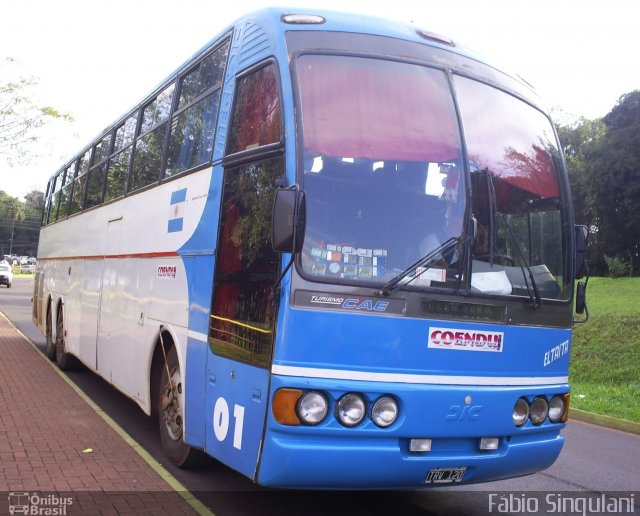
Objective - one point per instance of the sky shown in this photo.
(96, 60)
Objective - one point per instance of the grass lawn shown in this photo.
(605, 360)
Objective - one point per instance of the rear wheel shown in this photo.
(171, 415)
(65, 361)
(50, 348)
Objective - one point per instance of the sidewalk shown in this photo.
(56, 452)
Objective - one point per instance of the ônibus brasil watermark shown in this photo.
(568, 503)
(38, 504)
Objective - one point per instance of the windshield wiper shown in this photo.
(532, 289)
(426, 262)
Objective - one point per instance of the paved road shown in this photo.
(594, 460)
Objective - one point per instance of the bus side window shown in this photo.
(118, 167)
(149, 149)
(242, 311)
(193, 127)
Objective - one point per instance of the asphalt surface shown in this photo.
(594, 460)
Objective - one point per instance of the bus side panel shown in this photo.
(125, 295)
(90, 306)
(195, 387)
(73, 307)
(199, 271)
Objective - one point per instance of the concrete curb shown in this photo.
(607, 421)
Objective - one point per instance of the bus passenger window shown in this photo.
(193, 128)
(95, 185)
(205, 76)
(192, 136)
(158, 110)
(147, 158)
(125, 133)
(117, 175)
(79, 189)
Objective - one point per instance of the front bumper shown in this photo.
(330, 456)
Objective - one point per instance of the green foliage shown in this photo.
(603, 160)
(616, 267)
(605, 358)
(20, 223)
(21, 118)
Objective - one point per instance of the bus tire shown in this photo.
(50, 347)
(171, 416)
(65, 361)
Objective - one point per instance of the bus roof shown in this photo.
(274, 21)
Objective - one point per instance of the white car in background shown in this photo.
(6, 274)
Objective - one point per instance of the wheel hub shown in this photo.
(172, 405)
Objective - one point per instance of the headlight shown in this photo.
(520, 412)
(556, 409)
(384, 412)
(351, 409)
(312, 408)
(539, 410)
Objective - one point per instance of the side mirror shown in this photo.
(288, 220)
(581, 297)
(581, 234)
(580, 271)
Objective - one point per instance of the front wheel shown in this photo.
(171, 415)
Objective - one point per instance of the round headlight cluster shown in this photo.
(556, 409)
(312, 408)
(540, 409)
(520, 412)
(384, 412)
(351, 409)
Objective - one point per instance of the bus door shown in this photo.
(241, 325)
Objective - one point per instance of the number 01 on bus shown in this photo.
(328, 254)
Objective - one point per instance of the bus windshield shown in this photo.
(384, 179)
(521, 245)
(382, 169)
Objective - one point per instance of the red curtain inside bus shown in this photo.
(371, 108)
(508, 137)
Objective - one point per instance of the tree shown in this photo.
(578, 140)
(21, 118)
(603, 160)
(616, 180)
(20, 223)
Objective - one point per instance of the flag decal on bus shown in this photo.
(176, 204)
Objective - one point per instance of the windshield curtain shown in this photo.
(382, 169)
(514, 160)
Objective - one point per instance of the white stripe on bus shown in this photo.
(202, 337)
(370, 376)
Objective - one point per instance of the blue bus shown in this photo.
(328, 253)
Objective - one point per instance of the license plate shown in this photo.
(445, 475)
